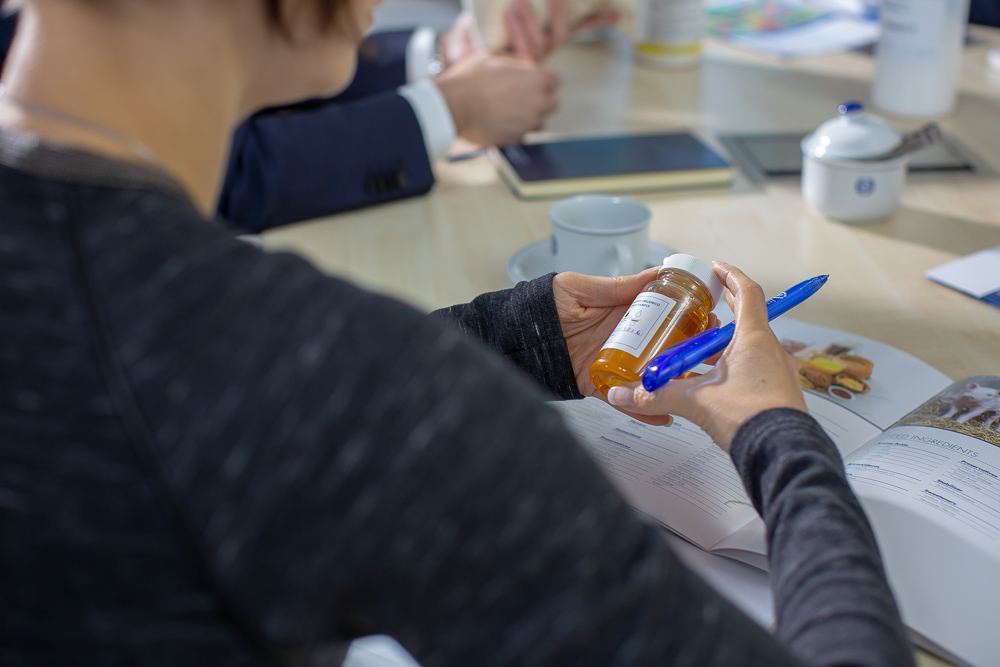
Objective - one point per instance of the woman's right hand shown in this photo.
(753, 374)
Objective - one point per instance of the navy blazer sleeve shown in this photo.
(381, 65)
(985, 12)
(363, 147)
(7, 24)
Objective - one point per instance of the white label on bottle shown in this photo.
(642, 320)
(912, 29)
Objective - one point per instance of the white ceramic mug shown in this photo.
(600, 235)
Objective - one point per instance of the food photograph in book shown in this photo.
(837, 370)
(970, 406)
(875, 381)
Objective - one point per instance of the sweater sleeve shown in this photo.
(832, 600)
(522, 324)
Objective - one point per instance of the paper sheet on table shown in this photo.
(790, 29)
(977, 275)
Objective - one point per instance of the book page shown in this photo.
(931, 488)
(747, 545)
(847, 430)
(748, 587)
(875, 381)
(675, 474)
(942, 461)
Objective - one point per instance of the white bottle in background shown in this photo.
(669, 32)
(919, 56)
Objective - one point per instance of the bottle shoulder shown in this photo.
(688, 291)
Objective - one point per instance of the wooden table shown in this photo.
(453, 244)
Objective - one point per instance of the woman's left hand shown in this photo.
(590, 307)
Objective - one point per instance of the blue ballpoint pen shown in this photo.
(687, 354)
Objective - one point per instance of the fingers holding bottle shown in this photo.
(752, 375)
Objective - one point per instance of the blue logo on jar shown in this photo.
(865, 186)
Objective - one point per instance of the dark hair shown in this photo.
(326, 10)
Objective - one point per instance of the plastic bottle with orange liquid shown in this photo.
(671, 308)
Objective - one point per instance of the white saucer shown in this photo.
(535, 260)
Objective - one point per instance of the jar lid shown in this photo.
(699, 270)
(854, 134)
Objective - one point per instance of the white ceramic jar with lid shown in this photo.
(839, 176)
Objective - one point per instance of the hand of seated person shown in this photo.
(527, 36)
(589, 308)
(495, 99)
(753, 374)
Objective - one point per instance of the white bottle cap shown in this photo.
(699, 270)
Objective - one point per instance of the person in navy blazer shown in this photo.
(362, 147)
(371, 143)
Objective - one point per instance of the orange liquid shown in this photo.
(688, 317)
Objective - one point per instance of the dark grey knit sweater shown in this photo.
(214, 456)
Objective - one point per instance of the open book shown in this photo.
(921, 452)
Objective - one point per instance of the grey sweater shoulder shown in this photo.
(217, 456)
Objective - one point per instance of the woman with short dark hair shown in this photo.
(212, 455)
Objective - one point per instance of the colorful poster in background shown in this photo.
(759, 17)
(789, 29)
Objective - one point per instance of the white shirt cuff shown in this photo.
(419, 53)
(434, 116)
